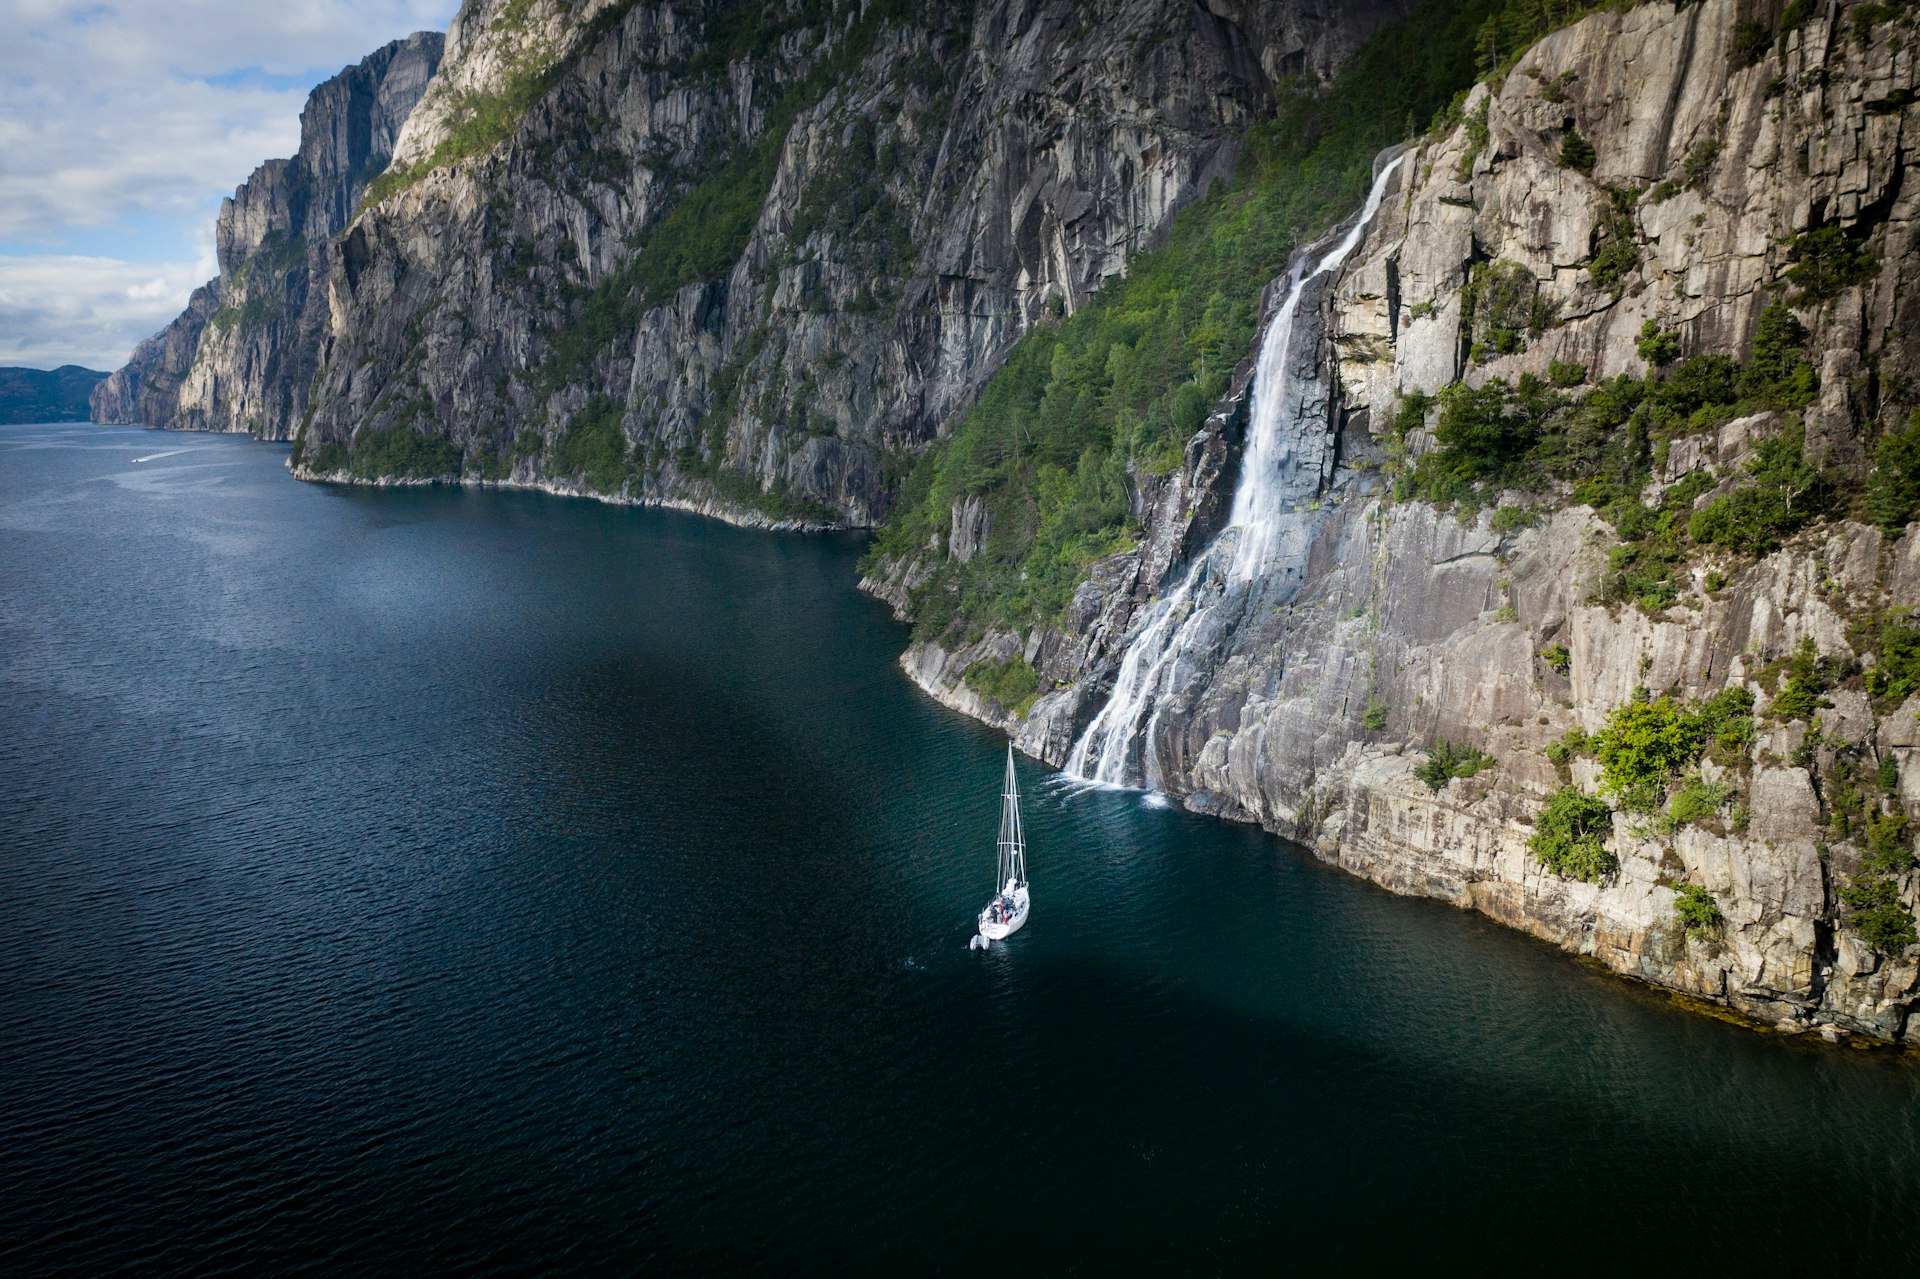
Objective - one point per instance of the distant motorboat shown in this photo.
(1008, 910)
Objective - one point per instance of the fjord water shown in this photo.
(436, 880)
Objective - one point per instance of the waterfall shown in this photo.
(1247, 546)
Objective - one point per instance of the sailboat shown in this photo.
(1008, 909)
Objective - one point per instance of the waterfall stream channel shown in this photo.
(1266, 530)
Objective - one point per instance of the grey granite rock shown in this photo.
(940, 183)
(243, 355)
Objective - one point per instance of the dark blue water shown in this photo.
(486, 883)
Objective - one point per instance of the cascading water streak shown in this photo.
(1253, 529)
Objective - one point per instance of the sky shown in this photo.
(123, 123)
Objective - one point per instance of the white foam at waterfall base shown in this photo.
(1253, 528)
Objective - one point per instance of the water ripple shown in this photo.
(485, 883)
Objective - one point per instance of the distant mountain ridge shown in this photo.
(47, 395)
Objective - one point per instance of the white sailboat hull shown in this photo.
(1000, 929)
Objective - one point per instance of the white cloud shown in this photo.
(158, 287)
(69, 309)
(121, 116)
(96, 162)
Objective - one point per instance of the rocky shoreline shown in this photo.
(738, 516)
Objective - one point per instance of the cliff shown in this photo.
(1542, 542)
(1603, 425)
(749, 258)
(242, 357)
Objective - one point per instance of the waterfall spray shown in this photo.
(1253, 531)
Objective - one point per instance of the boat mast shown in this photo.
(1013, 843)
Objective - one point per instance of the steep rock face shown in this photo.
(1440, 619)
(243, 354)
(746, 257)
(145, 391)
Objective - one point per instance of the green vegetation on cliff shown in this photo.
(1697, 800)
(1893, 498)
(403, 453)
(1448, 760)
(1605, 437)
(1606, 440)
(1120, 386)
(1785, 492)
(592, 450)
(1698, 912)
(479, 120)
(1893, 637)
(1873, 898)
(1012, 684)
(706, 230)
(1826, 261)
(1801, 692)
(1571, 836)
(1650, 740)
